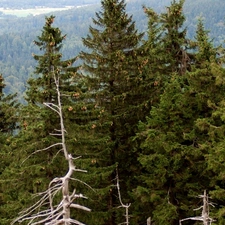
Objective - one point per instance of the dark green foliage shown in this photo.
(8, 125)
(211, 123)
(175, 43)
(153, 108)
(34, 164)
(8, 108)
(176, 140)
(117, 83)
(170, 152)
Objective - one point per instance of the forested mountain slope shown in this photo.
(17, 34)
(15, 4)
(212, 12)
(16, 43)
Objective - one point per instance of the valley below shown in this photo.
(38, 10)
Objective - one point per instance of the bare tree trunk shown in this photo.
(205, 212)
(205, 209)
(120, 199)
(149, 221)
(59, 214)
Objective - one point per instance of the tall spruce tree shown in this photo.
(152, 54)
(30, 171)
(114, 68)
(175, 42)
(212, 123)
(166, 50)
(174, 149)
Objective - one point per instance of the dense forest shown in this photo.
(129, 115)
(17, 34)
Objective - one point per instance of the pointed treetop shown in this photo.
(49, 20)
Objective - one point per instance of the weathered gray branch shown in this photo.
(205, 212)
(120, 199)
(60, 213)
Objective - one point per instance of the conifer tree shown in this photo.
(175, 43)
(152, 53)
(212, 123)
(114, 67)
(51, 209)
(30, 175)
(8, 121)
(173, 145)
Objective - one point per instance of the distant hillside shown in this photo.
(26, 4)
(212, 11)
(16, 43)
(17, 34)
(214, 17)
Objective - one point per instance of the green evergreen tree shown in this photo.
(175, 42)
(152, 54)
(212, 123)
(173, 143)
(167, 49)
(114, 68)
(30, 170)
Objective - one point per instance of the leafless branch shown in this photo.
(53, 107)
(205, 212)
(80, 181)
(120, 199)
(43, 211)
(41, 150)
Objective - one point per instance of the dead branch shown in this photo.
(42, 150)
(120, 199)
(59, 213)
(205, 212)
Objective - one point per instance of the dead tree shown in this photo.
(120, 199)
(205, 212)
(149, 221)
(58, 214)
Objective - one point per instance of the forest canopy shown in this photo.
(139, 107)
